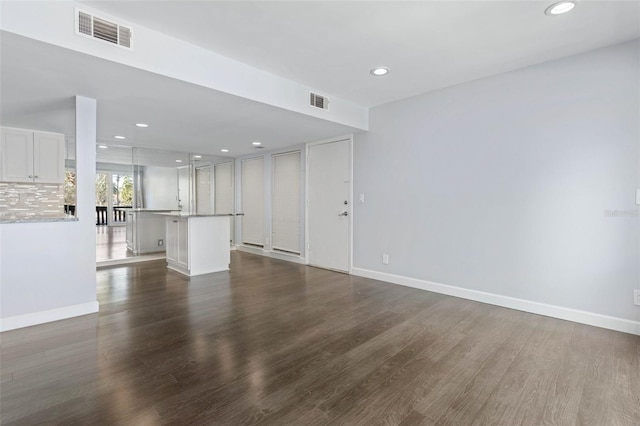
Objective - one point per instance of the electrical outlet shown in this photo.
(636, 297)
(385, 258)
(160, 243)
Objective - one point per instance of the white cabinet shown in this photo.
(177, 231)
(145, 232)
(198, 245)
(29, 156)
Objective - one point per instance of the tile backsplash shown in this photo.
(31, 200)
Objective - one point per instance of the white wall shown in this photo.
(47, 270)
(501, 185)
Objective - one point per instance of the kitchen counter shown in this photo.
(198, 244)
(145, 231)
(39, 219)
(194, 215)
(148, 210)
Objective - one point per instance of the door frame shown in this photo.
(308, 146)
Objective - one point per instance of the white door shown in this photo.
(329, 198)
(285, 202)
(184, 186)
(223, 192)
(203, 190)
(253, 201)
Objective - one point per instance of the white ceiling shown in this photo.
(329, 46)
(332, 45)
(38, 82)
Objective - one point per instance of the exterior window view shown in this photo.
(320, 212)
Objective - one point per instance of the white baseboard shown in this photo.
(41, 317)
(129, 260)
(274, 254)
(583, 317)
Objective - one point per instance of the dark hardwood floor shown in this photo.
(278, 343)
(111, 243)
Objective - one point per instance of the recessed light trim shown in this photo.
(560, 8)
(256, 143)
(119, 137)
(379, 71)
(103, 146)
(224, 150)
(142, 125)
(178, 161)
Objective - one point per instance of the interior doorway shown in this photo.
(329, 193)
(203, 190)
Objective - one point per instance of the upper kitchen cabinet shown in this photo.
(31, 156)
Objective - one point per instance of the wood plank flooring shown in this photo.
(277, 343)
(111, 243)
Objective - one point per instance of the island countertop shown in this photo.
(143, 210)
(39, 219)
(187, 215)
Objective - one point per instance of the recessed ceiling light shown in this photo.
(103, 146)
(256, 143)
(197, 156)
(379, 71)
(224, 150)
(119, 137)
(560, 8)
(142, 125)
(178, 161)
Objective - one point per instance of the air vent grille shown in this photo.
(105, 30)
(85, 23)
(318, 101)
(102, 29)
(124, 36)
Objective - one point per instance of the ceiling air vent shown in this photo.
(102, 29)
(318, 101)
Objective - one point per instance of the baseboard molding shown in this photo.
(273, 254)
(41, 317)
(583, 317)
(129, 260)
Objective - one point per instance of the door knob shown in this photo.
(344, 214)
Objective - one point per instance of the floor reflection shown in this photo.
(111, 243)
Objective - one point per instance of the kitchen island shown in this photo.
(197, 243)
(145, 231)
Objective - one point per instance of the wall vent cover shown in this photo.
(318, 101)
(92, 26)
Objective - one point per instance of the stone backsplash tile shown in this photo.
(31, 200)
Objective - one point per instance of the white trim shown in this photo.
(41, 317)
(128, 260)
(560, 312)
(273, 254)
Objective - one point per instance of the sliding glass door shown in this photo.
(114, 195)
